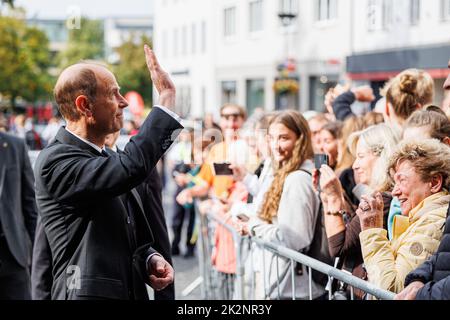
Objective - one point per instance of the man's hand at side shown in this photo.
(161, 273)
(161, 80)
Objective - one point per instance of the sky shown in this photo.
(90, 8)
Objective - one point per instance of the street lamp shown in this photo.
(287, 18)
(286, 85)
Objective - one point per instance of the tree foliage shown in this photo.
(25, 59)
(8, 2)
(85, 43)
(131, 71)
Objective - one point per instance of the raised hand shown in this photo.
(370, 211)
(161, 79)
(364, 94)
(330, 184)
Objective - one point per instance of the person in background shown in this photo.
(229, 148)
(345, 98)
(3, 123)
(421, 172)
(371, 148)
(258, 182)
(185, 177)
(430, 123)
(51, 129)
(289, 214)
(19, 129)
(18, 214)
(446, 102)
(329, 136)
(409, 91)
(316, 124)
(33, 139)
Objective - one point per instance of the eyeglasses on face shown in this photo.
(231, 115)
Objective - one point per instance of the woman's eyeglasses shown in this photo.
(231, 115)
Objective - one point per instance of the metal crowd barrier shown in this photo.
(217, 287)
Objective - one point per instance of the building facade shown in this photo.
(278, 54)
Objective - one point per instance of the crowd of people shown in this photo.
(379, 200)
(368, 193)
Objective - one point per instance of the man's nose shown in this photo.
(123, 103)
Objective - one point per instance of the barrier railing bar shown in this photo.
(311, 264)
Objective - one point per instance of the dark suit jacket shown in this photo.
(150, 193)
(98, 245)
(17, 201)
(41, 268)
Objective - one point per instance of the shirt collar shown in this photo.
(86, 141)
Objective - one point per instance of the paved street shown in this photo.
(186, 270)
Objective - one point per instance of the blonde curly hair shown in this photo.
(429, 157)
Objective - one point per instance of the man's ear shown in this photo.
(83, 106)
(436, 183)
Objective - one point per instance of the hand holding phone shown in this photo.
(319, 160)
(223, 169)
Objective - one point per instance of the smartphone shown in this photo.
(243, 217)
(223, 169)
(319, 160)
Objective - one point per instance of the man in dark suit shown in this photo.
(150, 194)
(91, 212)
(17, 218)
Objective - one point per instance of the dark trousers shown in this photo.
(180, 213)
(15, 281)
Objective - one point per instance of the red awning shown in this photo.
(386, 75)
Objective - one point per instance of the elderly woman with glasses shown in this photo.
(420, 170)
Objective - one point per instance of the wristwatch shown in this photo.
(337, 213)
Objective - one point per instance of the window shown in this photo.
(175, 42)
(445, 9)
(288, 7)
(164, 43)
(379, 14)
(255, 95)
(183, 101)
(414, 11)
(203, 36)
(256, 15)
(184, 41)
(203, 100)
(229, 27)
(193, 38)
(228, 89)
(326, 10)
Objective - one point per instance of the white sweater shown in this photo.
(293, 228)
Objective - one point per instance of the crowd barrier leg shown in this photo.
(216, 285)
